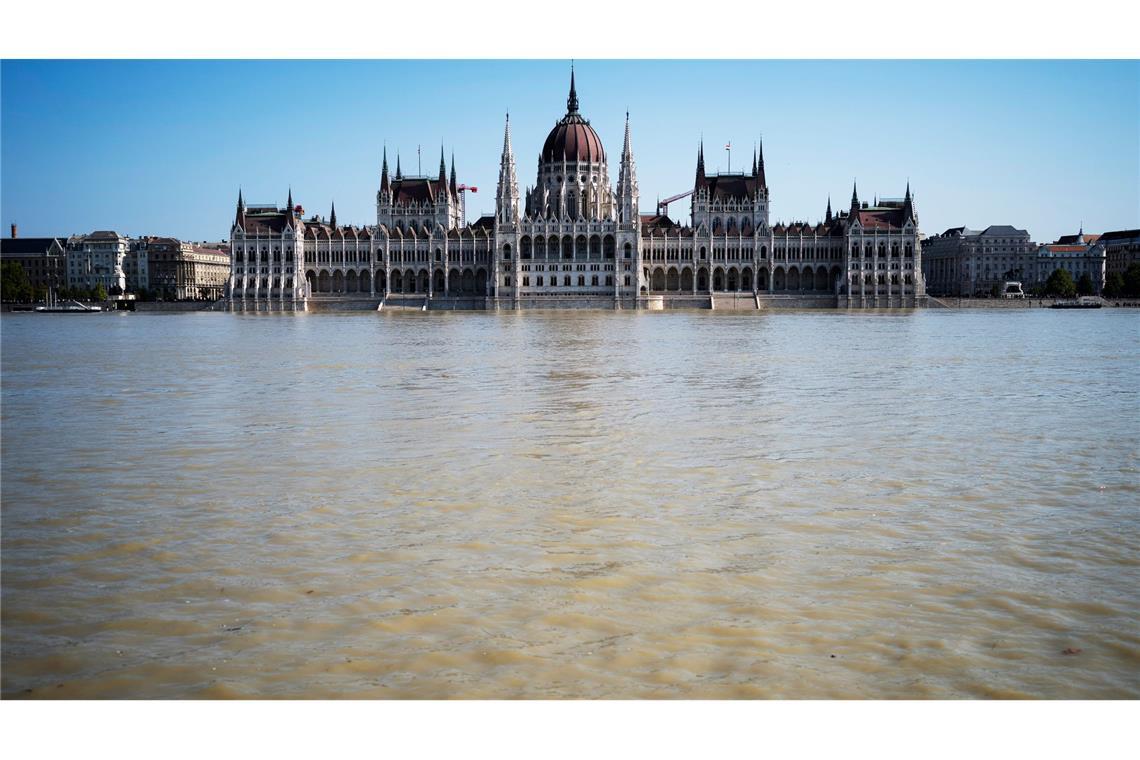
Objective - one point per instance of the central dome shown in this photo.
(573, 139)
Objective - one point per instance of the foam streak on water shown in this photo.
(693, 505)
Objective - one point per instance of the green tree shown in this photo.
(14, 284)
(1132, 280)
(1085, 285)
(1113, 285)
(99, 293)
(1060, 283)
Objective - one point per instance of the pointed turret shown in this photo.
(399, 175)
(827, 217)
(385, 184)
(760, 178)
(754, 162)
(572, 99)
(332, 216)
(454, 186)
(908, 205)
(239, 217)
(701, 163)
(289, 202)
(854, 197)
(442, 169)
(626, 150)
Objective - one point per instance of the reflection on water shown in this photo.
(797, 505)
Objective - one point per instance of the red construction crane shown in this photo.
(463, 199)
(663, 206)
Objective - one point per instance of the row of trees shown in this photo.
(1061, 284)
(1123, 286)
(15, 287)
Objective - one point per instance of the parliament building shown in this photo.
(574, 240)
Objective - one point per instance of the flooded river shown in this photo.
(933, 504)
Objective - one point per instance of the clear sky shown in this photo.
(161, 147)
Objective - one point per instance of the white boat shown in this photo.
(67, 307)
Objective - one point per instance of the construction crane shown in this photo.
(663, 206)
(463, 199)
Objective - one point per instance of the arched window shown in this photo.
(628, 250)
(507, 252)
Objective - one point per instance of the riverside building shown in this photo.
(44, 260)
(965, 262)
(574, 239)
(1078, 255)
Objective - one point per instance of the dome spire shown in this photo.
(572, 100)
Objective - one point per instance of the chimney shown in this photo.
(14, 230)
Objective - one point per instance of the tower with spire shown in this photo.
(730, 203)
(507, 194)
(628, 212)
(415, 203)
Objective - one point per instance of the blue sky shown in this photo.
(161, 147)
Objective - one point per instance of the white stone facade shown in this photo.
(97, 259)
(573, 239)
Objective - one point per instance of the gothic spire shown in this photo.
(442, 167)
(239, 218)
(627, 180)
(854, 196)
(908, 204)
(627, 149)
(332, 216)
(507, 197)
(572, 100)
(827, 218)
(759, 171)
(399, 175)
(384, 184)
(701, 161)
(507, 150)
(289, 203)
(454, 186)
(753, 161)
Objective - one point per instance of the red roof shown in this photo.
(573, 139)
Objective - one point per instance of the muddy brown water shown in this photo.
(930, 504)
